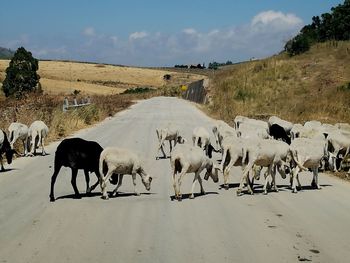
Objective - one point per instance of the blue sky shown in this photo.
(154, 32)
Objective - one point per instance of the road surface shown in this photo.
(312, 225)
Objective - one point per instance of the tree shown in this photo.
(329, 26)
(21, 76)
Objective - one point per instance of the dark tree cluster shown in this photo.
(329, 26)
(21, 75)
(216, 65)
(199, 66)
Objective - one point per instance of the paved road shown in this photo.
(218, 227)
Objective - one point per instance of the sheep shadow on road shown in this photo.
(234, 185)
(162, 157)
(6, 170)
(128, 194)
(82, 195)
(187, 196)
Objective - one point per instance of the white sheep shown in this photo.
(37, 133)
(220, 130)
(170, 134)
(201, 138)
(233, 152)
(18, 131)
(121, 161)
(266, 153)
(191, 159)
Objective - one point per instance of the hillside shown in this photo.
(59, 77)
(6, 53)
(314, 85)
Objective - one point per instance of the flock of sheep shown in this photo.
(31, 138)
(252, 144)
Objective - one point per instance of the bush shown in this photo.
(297, 45)
(137, 90)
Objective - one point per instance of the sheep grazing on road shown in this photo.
(37, 133)
(170, 134)
(266, 153)
(339, 145)
(77, 153)
(221, 130)
(121, 161)
(233, 153)
(307, 153)
(18, 131)
(190, 159)
(5, 147)
(201, 138)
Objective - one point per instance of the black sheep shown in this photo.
(77, 153)
(5, 147)
(278, 132)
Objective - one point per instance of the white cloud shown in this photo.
(190, 31)
(89, 32)
(276, 17)
(138, 35)
(262, 36)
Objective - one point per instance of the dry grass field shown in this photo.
(103, 83)
(59, 77)
(311, 86)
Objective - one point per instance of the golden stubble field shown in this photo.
(59, 77)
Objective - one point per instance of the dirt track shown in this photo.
(218, 227)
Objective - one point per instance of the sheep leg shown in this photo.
(161, 147)
(134, 183)
(227, 171)
(87, 180)
(244, 176)
(266, 175)
(120, 180)
(171, 147)
(53, 181)
(345, 154)
(249, 186)
(2, 165)
(201, 185)
(103, 184)
(174, 183)
(335, 169)
(299, 184)
(36, 141)
(294, 175)
(315, 178)
(197, 177)
(94, 185)
(74, 182)
(194, 184)
(178, 194)
(24, 147)
(274, 179)
(42, 141)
